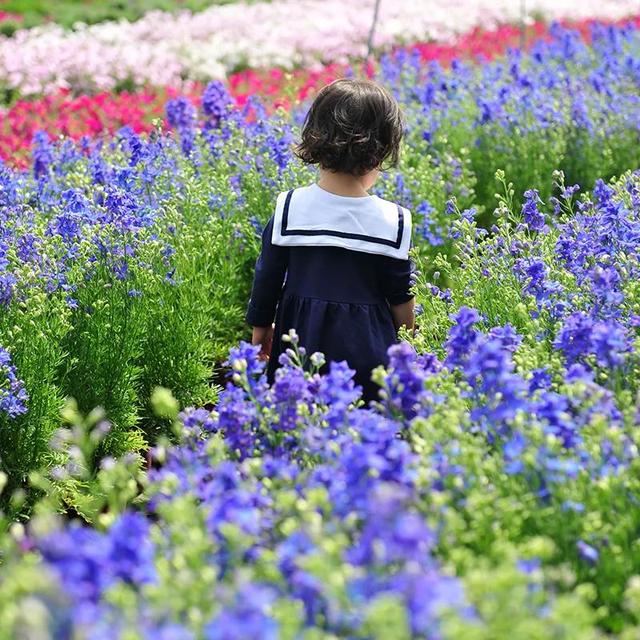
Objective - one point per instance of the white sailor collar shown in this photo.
(311, 216)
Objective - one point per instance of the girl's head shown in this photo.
(353, 127)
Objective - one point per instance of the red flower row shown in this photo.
(14, 17)
(78, 116)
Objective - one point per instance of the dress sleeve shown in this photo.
(396, 278)
(271, 268)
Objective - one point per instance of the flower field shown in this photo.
(164, 49)
(492, 491)
(106, 112)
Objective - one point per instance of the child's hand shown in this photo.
(264, 337)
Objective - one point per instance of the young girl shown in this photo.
(334, 260)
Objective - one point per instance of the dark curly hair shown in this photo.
(353, 126)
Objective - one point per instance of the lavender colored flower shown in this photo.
(587, 552)
(248, 617)
(462, 335)
(13, 395)
(216, 101)
(181, 113)
(574, 338)
(405, 380)
(42, 154)
(533, 217)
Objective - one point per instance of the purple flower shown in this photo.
(462, 335)
(405, 380)
(246, 617)
(131, 551)
(587, 552)
(216, 101)
(13, 395)
(42, 154)
(610, 344)
(580, 336)
(8, 284)
(533, 218)
(554, 410)
(181, 113)
(540, 379)
(499, 391)
(513, 450)
(574, 338)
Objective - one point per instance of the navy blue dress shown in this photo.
(336, 299)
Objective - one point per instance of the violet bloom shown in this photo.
(462, 335)
(533, 217)
(42, 154)
(216, 101)
(13, 395)
(587, 552)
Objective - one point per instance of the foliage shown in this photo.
(491, 492)
(25, 14)
(127, 264)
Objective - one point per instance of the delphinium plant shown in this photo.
(309, 516)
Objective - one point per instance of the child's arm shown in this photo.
(404, 315)
(264, 337)
(396, 282)
(270, 271)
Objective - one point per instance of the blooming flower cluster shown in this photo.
(162, 49)
(301, 510)
(122, 235)
(13, 397)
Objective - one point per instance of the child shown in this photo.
(334, 259)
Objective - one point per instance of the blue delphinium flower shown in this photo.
(8, 283)
(580, 336)
(393, 533)
(587, 552)
(574, 338)
(131, 552)
(534, 274)
(181, 115)
(605, 284)
(554, 411)
(540, 379)
(404, 381)
(513, 450)
(88, 562)
(462, 335)
(216, 102)
(532, 215)
(247, 617)
(134, 144)
(490, 372)
(42, 154)
(337, 391)
(610, 344)
(240, 422)
(80, 557)
(289, 390)
(13, 395)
